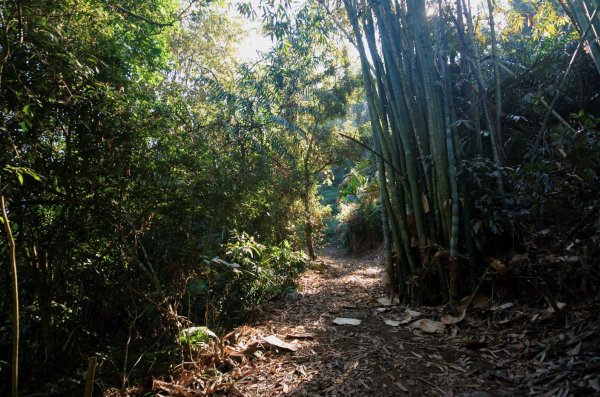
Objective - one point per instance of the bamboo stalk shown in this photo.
(498, 93)
(497, 153)
(589, 26)
(453, 260)
(378, 125)
(431, 102)
(15, 297)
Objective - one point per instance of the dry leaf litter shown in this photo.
(340, 337)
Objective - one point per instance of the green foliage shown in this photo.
(538, 20)
(564, 178)
(264, 273)
(358, 223)
(196, 336)
(251, 274)
(134, 145)
(359, 226)
(145, 145)
(495, 214)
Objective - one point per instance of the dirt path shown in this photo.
(499, 349)
(481, 356)
(339, 360)
(371, 359)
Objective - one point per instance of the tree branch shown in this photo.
(129, 13)
(374, 152)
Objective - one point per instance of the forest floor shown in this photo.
(497, 349)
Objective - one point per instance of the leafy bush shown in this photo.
(196, 336)
(359, 227)
(359, 219)
(250, 275)
(565, 176)
(497, 220)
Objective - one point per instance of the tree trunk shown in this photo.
(308, 232)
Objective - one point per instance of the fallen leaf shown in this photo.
(580, 337)
(385, 301)
(502, 307)
(300, 370)
(346, 321)
(560, 305)
(393, 323)
(499, 267)
(171, 388)
(480, 301)
(575, 350)
(456, 367)
(235, 391)
(278, 343)
(472, 343)
(413, 313)
(429, 326)
(569, 259)
(300, 335)
(449, 320)
(351, 366)
(407, 318)
(401, 386)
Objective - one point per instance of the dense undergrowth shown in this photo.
(134, 147)
(153, 182)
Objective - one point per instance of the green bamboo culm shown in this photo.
(15, 296)
(408, 91)
(496, 148)
(452, 172)
(498, 93)
(586, 19)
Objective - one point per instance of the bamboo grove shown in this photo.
(430, 112)
(435, 107)
(583, 13)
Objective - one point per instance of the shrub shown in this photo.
(359, 228)
(250, 275)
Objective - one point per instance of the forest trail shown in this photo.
(375, 359)
(339, 360)
(370, 359)
(292, 347)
